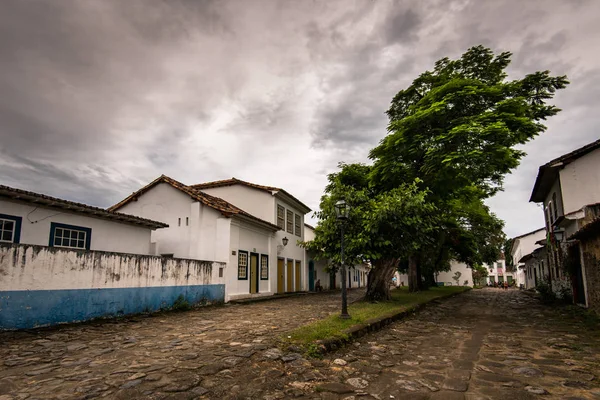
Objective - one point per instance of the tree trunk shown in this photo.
(379, 280)
(413, 273)
(429, 279)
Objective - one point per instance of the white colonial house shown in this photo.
(521, 250)
(566, 186)
(254, 229)
(37, 219)
(318, 270)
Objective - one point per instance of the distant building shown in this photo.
(523, 246)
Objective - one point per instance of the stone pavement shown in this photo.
(482, 344)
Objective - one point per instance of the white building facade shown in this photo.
(257, 238)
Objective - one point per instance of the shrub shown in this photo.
(181, 304)
(545, 291)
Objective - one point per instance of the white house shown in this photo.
(62, 262)
(253, 229)
(36, 219)
(565, 186)
(522, 246)
(318, 270)
(497, 272)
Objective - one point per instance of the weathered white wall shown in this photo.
(580, 182)
(526, 244)
(106, 235)
(196, 238)
(556, 188)
(24, 267)
(42, 286)
(465, 271)
(256, 202)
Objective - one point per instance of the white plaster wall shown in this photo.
(580, 182)
(256, 202)
(106, 235)
(556, 188)
(252, 239)
(25, 267)
(466, 274)
(196, 238)
(526, 244)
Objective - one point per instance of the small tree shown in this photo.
(457, 276)
(479, 274)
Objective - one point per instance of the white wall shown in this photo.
(106, 235)
(256, 202)
(248, 238)
(580, 182)
(526, 244)
(465, 271)
(193, 227)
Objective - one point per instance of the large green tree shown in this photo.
(456, 129)
(382, 228)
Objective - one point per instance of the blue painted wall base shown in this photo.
(25, 309)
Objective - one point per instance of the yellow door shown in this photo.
(298, 264)
(280, 275)
(253, 273)
(290, 276)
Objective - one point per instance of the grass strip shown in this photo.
(333, 327)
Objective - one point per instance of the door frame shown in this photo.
(282, 276)
(257, 273)
(311, 276)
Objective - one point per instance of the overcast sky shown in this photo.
(100, 97)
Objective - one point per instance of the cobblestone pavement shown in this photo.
(479, 345)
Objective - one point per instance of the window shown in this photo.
(10, 228)
(290, 221)
(264, 267)
(555, 206)
(242, 264)
(187, 221)
(550, 213)
(178, 221)
(69, 236)
(281, 217)
(297, 224)
(221, 272)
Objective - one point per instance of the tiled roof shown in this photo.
(216, 203)
(235, 181)
(588, 230)
(309, 226)
(10, 193)
(529, 233)
(548, 172)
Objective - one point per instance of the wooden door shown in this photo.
(298, 275)
(280, 275)
(253, 273)
(311, 276)
(290, 276)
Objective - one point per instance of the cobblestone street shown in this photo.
(482, 344)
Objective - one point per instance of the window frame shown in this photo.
(264, 257)
(282, 218)
(240, 252)
(297, 225)
(289, 221)
(17, 221)
(58, 225)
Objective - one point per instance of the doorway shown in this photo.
(290, 276)
(311, 275)
(280, 275)
(298, 275)
(253, 273)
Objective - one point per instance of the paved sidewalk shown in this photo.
(485, 344)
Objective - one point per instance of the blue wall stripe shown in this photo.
(24, 309)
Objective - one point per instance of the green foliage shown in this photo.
(181, 304)
(545, 290)
(479, 273)
(453, 135)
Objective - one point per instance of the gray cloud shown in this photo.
(99, 97)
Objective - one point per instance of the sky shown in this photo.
(100, 97)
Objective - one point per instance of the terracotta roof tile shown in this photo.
(216, 203)
(7, 192)
(235, 181)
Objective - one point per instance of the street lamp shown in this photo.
(284, 241)
(559, 235)
(342, 210)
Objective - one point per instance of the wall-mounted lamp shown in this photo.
(559, 235)
(285, 241)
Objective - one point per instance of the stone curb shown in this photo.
(375, 324)
(287, 295)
